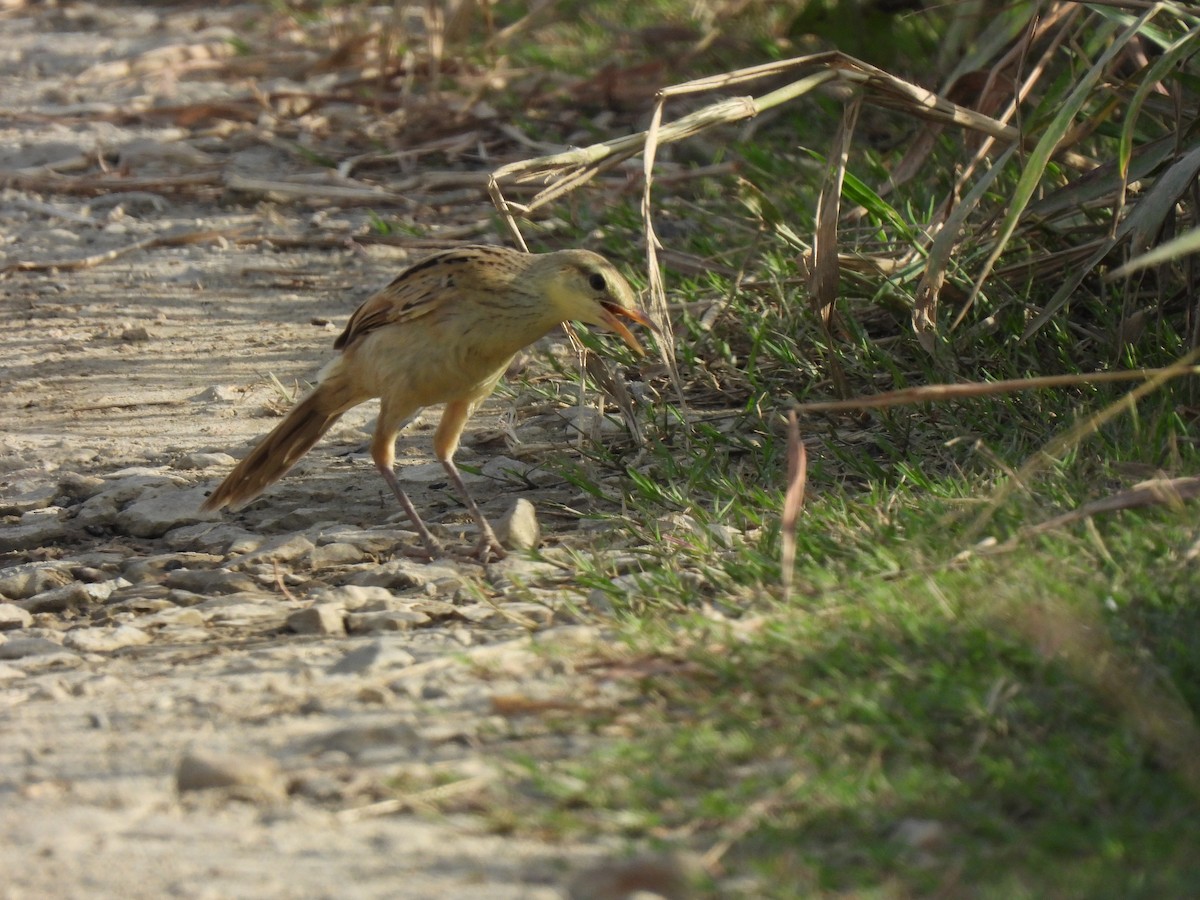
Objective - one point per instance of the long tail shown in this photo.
(283, 447)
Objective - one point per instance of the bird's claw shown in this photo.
(488, 549)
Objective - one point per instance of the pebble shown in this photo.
(205, 461)
(77, 487)
(325, 618)
(172, 617)
(248, 775)
(373, 541)
(353, 597)
(159, 510)
(403, 574)
(390, 620)
(36, 528)
(74, 596)
(105, 640)
(375, 656)
(141, 569)
(281, 549)
(24, 581)
(23, 496)
(518, 528)
(210, 581)
(327, 556)
(213, 537)
(13, 617)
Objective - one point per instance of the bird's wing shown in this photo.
(410, 296)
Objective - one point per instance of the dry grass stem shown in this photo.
(935, 393)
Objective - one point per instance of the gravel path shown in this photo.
(280, 702)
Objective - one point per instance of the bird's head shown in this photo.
(585, 287)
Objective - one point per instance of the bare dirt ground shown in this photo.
(275, 703)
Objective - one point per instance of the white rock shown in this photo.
(158, 510)
(105, 640)
(518, 529)
(13, 617)
(325, 618)
(206, 461)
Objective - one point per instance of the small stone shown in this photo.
(372, 541)
(124, 488)
(213, 537)
(22, 496)
(206, 461)
(104, 640)
(13, 617)
(243, 774)
(373, 656)
(135, 335)
(281, 549)
(72, 596)
(24, 581)
(210, 581)
(435, 609)
(220, 393)
(518, 529)
(402, 574)
(22, 647)
(77, 487)
(326, 556)
(354, 597)
(172, 617)
(327, 618)
(153, 569)
(391, 620)
(532, 613)
(476, 612)
(158, 510)
(36, 528)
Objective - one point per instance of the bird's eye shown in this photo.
(597, 282)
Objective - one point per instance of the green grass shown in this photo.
(1026, 702)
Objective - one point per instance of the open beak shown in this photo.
(612, 315)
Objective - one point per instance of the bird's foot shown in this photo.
(488, 548)
(428, 551)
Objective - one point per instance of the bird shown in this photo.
(443, 331)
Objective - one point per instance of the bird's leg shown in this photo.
(445, 442)
(488, 544)
(383, 451)
(432, 547)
